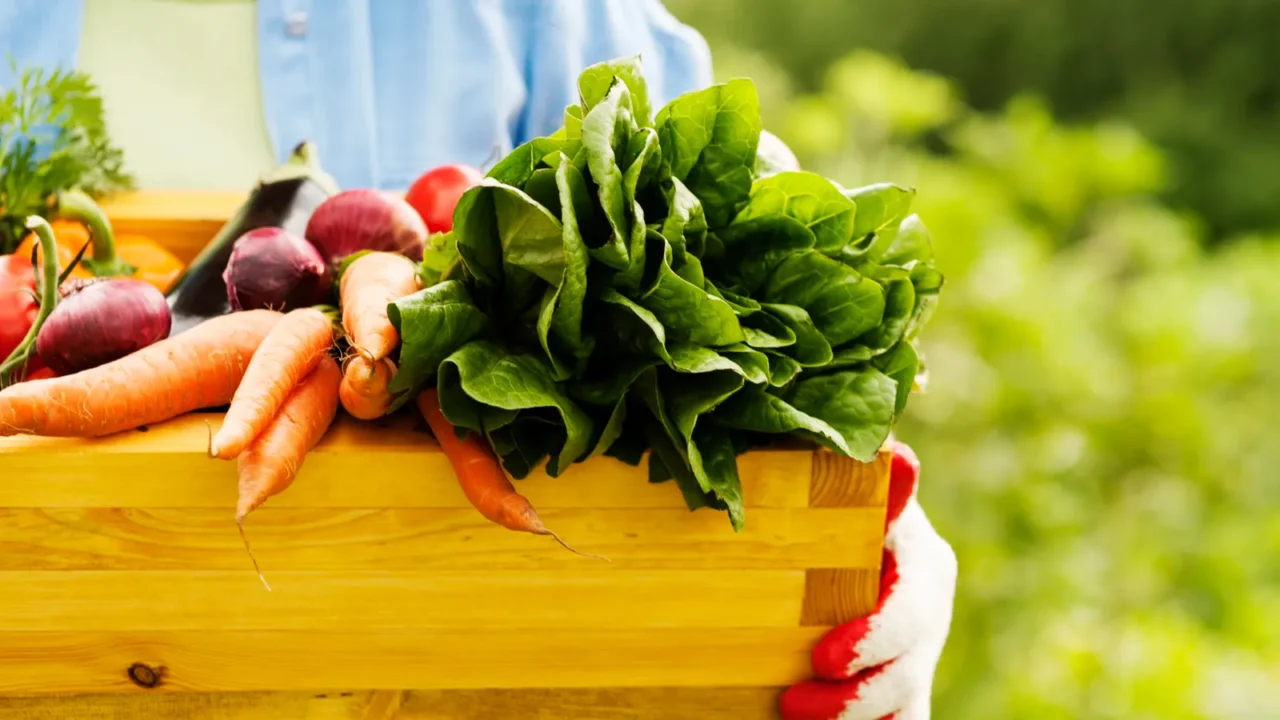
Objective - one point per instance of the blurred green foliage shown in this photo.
(1096, 434)
(1197, 76)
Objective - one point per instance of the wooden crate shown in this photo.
(125, 591)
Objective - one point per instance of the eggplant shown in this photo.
(284, 198)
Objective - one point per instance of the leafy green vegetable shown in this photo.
(879, 206)
(560, 320)
(595, 81)
(432, 323)
(900, 364)
(627, 286)
(811, 200)
(842, 303)
(858, 404)
(488, 375)
(709, 139)
(763, 412)
(53, 136)
(690, 312)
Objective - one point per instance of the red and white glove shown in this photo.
(880, 667)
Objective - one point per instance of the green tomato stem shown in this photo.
(48, 297)
(76, 205)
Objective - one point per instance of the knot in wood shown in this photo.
(145, 676)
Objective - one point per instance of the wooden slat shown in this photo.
(357, 465)
(177, 600)
(213, 661)
(184, 222)
(432, 539)
(839, 481)
(173, 206)
(712, 703)
(839, 592)
(836, 596)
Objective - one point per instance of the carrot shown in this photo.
(294, 347)
(371, 283)
(198, 369)
(481, 476)
(364, 391)
(271, 462)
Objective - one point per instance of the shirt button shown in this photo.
(296, 25)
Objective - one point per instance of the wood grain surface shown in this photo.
(431, 539)
(679, 703)
(34, 662)
(393, 464)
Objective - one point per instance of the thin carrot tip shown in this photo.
(245, 539)
(547, 531)
(208, 425)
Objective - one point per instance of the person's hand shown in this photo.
(880, 667)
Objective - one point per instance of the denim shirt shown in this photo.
(389, 88)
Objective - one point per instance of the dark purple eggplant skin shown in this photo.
(100, 321)
(274, 269)
(286, 199)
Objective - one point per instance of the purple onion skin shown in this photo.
(274, 269)
(100, 321)
(364, 219)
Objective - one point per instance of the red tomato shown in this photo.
(17, 305)
(436, 193)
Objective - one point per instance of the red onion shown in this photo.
(272, 268)
(363, 219)
(100, 321)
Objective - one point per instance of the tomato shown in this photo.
(17, 303)
(435, 194)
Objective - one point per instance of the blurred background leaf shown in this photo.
(1099, 177)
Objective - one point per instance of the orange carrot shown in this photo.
(198, 369)
(371, 283)
(364, 391)
(481, 476)
(271, 462)
(268, 466)
(293, 348)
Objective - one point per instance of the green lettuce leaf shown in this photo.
(687, 311)
(517, 167)
(911, 243)
(901, 364)
(433, 323)
(879, 206)
(899, 304)
(811, 348)
(501, 227)
(858, 403)
(560, 320)
(685, 226)
(755, 248)
(709, 139)
(606, 133)
(810, 199)
(483, 373)
(595, 81)
(759, 411)
(842, 303)
(678, 401)
(782, 369)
